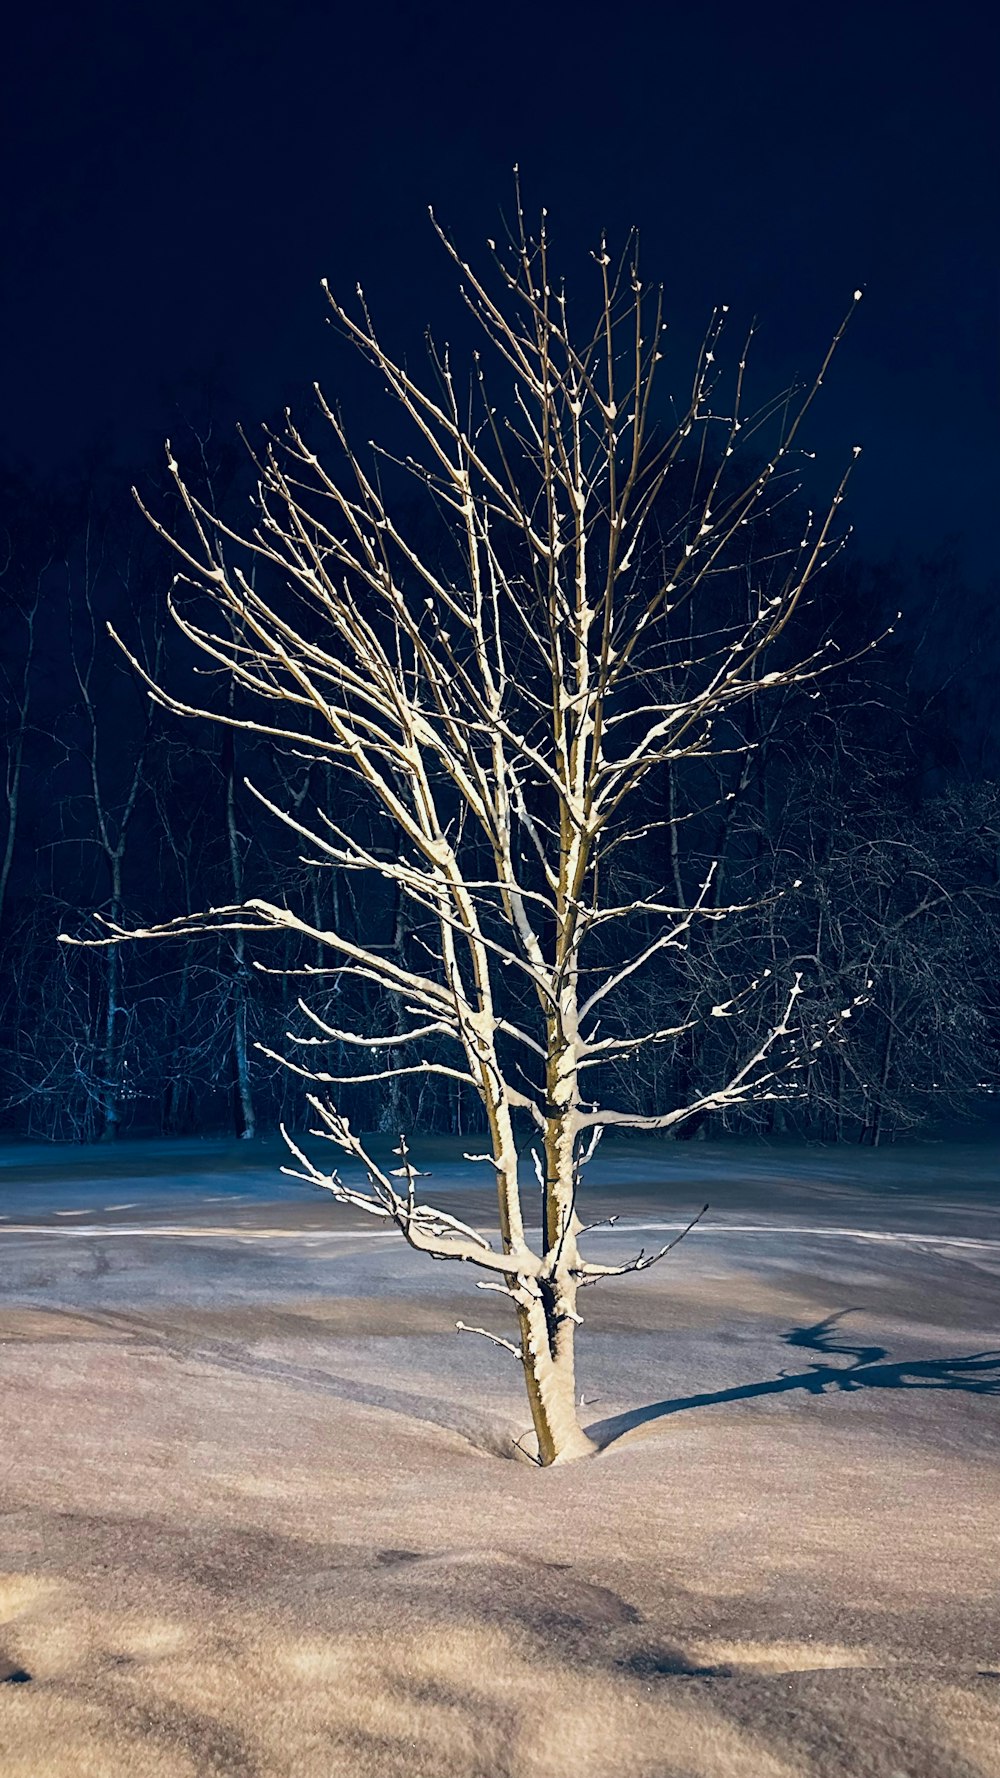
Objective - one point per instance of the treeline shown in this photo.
(858, 832)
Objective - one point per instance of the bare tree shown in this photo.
(111, 818)
(507, 701)
(17, 682)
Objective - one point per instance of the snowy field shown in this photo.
(262, 1515)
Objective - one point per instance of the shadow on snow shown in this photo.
(871, 1368)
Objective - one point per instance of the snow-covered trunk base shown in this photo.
(548, 1331)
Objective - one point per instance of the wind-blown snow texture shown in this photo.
(260, 1517)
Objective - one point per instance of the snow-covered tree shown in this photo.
(508, 693)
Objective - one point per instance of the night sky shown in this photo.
(179, 177)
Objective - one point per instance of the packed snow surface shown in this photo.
(263, 1513)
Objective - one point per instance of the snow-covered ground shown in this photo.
(917, 1185)
(260, 1514)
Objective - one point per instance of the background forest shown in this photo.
(861, 825)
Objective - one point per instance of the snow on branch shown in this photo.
(590, 1272)
(746, 1084)
(426, 1228)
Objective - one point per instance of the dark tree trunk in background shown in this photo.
(245, 1118)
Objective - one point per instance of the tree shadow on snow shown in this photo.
(870, 1368)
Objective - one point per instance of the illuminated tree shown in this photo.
(508, 697)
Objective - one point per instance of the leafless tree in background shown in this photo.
(509, 704)
(113, 793)
(16, 695)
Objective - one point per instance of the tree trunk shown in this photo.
(548, 1319)
(548, 1333)
(390, 1113)
(245, 1114)
(878, 1110)
(111, 1067)
(178, 1085)
(247, 1121)
(15, 761)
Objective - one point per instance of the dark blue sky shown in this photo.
(177, 179)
